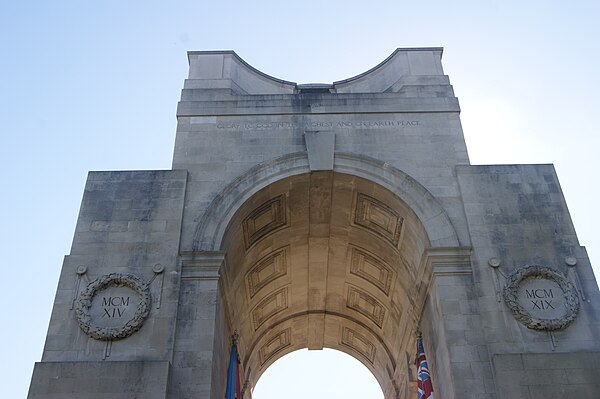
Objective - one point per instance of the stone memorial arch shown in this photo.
(342, 215)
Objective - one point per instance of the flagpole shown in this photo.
(235, 337)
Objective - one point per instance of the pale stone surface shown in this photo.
(128, 223)
(518, 214)
(342, 215)
(100, 380)
(549, 375)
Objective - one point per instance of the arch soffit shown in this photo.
(213, 223)
(372, 367)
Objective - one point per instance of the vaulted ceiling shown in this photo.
(326, 260)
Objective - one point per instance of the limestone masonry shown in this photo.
(342, 215)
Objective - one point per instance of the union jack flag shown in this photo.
(424, 385)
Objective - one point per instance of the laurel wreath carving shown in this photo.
(82, 310)
(511, 298)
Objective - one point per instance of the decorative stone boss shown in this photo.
(541, 298)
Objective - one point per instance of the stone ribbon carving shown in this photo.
(541, 298)
(113, 306)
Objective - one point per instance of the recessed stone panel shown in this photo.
(370, 268)
(358, 343)
(365, 304)
(378, 218)
(270, 306)
(266, 270)
(275, 345)
(264, 220)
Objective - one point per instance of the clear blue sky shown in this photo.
(93, 85)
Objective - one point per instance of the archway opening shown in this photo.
(326, 260)
(327, 373)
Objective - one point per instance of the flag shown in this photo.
(232, 390)
(424, 385)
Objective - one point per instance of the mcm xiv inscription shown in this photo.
(114, 306)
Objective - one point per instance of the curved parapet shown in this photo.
(403, 69)
(405, 66)
(226, 70)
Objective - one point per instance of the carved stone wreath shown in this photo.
(511, 297)
(84, 303)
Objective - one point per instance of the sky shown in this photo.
(94, 85)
